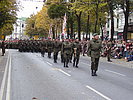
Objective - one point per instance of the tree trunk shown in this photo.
(96, 19)
(112, 23)
(88, 27)
(112, 18)
(68, 31)
(79, 25)
(71, 27)
(53, 31)
(126, 13)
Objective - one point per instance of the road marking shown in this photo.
(8, 92)
(105, 97)
(85, 64)
(49, 63)
(114, 72)
(4, 80)
(64, 72)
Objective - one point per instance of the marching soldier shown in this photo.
(43, 48)
(109, 46)
(49, 47)
(66, 47)
(76, 51)
(62, 58)
(84, 47)
(57, 46)
(94, 49)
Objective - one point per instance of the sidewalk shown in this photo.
(121, 62)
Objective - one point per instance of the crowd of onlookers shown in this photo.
(120, 49)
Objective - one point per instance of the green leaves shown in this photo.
(57, 11)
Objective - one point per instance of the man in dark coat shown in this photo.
(109, 46)
(3, 47)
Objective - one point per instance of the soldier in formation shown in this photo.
(66, 49)
(76, 52)
(57, 48)
(43, 48)
(49, 47)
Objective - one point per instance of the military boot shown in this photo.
(95, 73)
(92, 72)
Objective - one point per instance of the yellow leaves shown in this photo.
(42, 20)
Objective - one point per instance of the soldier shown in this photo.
(56, 46)
(62, 59)
(109, 46)
(49, 47)
(76, 51)
(66, 47)
(43, 48)
(3, 47)
(84, 47)
(94, 49)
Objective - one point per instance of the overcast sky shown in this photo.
(29, 7)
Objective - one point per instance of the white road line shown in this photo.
(8, 92)
(49, 63)
(4, 80)
(85, 64)
(64, 72)
(114, 72)
(105, 97)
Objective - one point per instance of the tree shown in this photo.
(8, 17)
(78, 12)
(56, 12)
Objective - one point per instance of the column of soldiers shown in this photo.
(68, 49)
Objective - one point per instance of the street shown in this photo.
(28, 76)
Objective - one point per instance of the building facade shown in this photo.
(119, 22)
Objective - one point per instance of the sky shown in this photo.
(29, 7)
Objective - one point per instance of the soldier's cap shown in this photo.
(94, 34)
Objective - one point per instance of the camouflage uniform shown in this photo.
(76, 51)
(49, 48)
(56, 47)
(66, 47)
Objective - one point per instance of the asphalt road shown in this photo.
(28, 76)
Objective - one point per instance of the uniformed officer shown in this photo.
(66, 47)
(76, 51)
(109, 46)
(94, 49)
